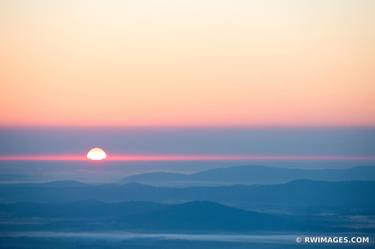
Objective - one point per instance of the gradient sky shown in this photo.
(183, 62)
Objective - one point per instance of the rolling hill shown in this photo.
(198, 216)
(295, 196)
(252, 175)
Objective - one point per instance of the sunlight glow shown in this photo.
(96, 154)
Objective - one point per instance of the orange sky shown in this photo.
(159, 62)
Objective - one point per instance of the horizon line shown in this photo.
(218, 126)
(185, 157)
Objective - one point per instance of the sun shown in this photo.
(96, 154)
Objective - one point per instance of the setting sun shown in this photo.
(96, 154)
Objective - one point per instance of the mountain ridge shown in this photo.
(251, 175)
(196, 216)
(309, 195)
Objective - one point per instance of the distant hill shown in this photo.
(77, 209)
(302, 195)
(199, 216)
(209, 216)
(252, 175)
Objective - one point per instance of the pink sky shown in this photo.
(187, 157)
(187, 63)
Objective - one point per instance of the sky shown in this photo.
(340, 142)
(187, 63)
